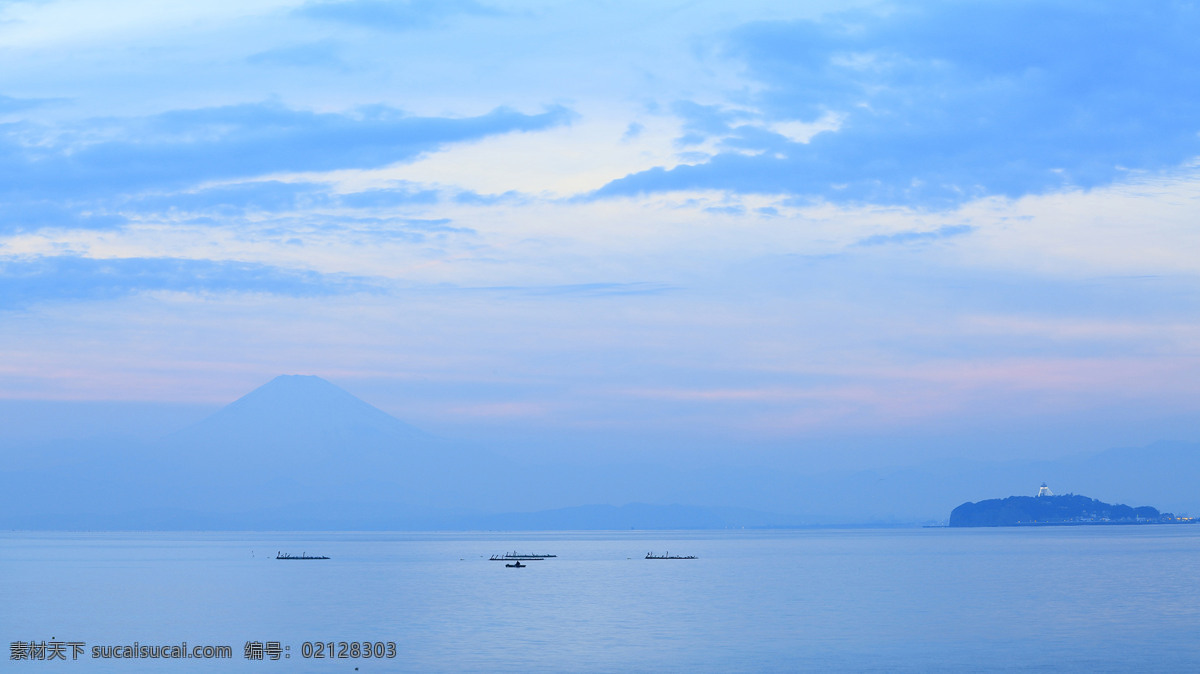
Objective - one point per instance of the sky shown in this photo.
(893, 231)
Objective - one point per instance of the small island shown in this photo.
(1046, 509)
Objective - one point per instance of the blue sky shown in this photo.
(902, 227)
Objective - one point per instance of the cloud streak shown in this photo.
(72, 176)
(8, 104)
(917, 237)
(26, 282)
(313, 55)
(946, 102)
(394, 15)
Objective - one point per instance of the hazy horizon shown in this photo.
(812, 237)
(300, 453)
(35, 422)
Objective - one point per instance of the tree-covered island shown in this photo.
(1048, 509)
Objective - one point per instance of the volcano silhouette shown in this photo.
(293, 417)
(300, 449)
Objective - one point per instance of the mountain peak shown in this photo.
(296, 408)
(300, 389)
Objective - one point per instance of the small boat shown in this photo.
(518, 565)
(668, 555)
(281, 555)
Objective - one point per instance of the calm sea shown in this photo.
(1047, 599)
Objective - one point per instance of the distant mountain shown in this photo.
(297, 432)
(298, 452)
(300, 445)
(301, 453)
(298, 412)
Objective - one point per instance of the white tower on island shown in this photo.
(1045, 491)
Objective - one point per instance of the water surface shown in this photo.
(1038, 599)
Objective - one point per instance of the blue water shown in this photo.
(1045, 599)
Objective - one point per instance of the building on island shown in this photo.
(1045, 491)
